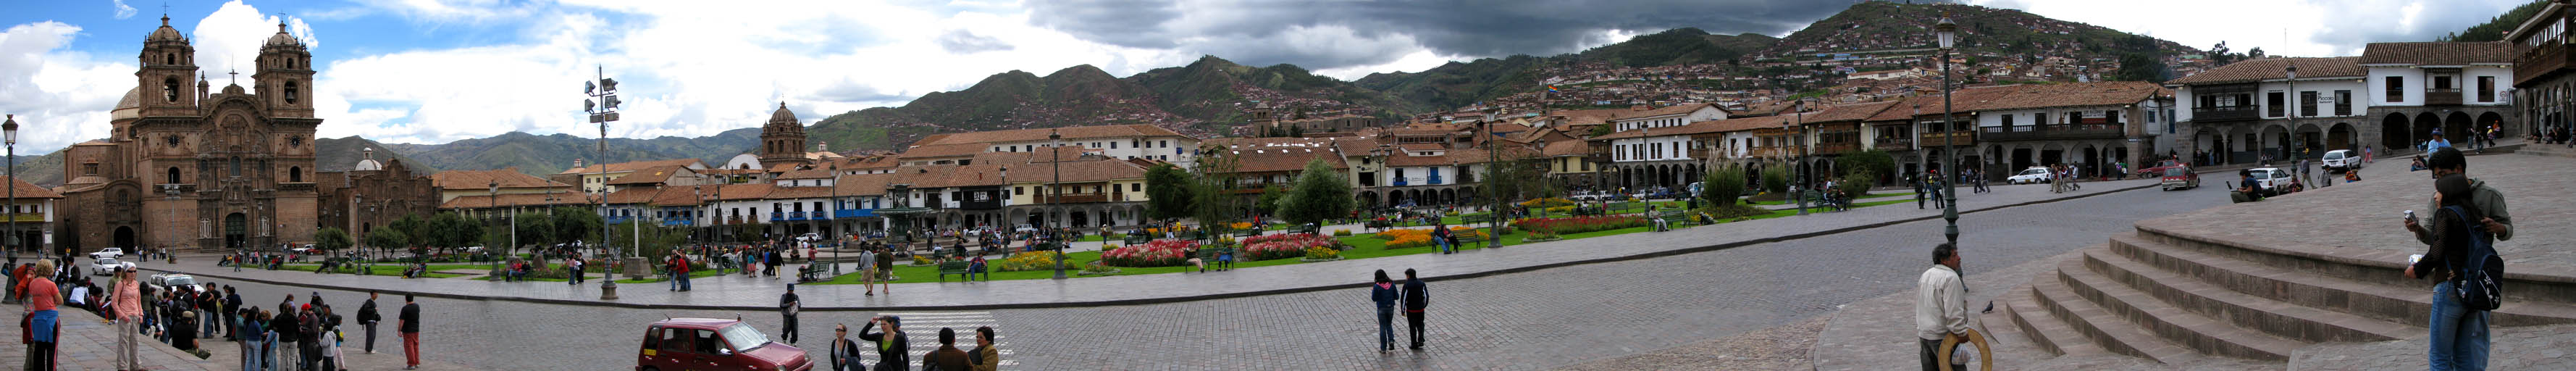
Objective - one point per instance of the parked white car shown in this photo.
(2272, 180)
(111, 252)
(2342, 160)
(105, 266)
(2031, 175)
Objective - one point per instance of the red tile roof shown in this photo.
(652, 175)
(2436, 53)
(2013, 97)
(30, 190)
(1257, 160)
(519, 199)
(2253, 70)
(632, 166)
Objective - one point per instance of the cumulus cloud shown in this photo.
(1458, 28)
(123, 11)
(963, 42)
(2318, 27)
(58, 96)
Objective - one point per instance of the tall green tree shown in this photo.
(387, 238)
(1321, 194)
(331, 239)
(1878, 164)
(1167, 192)
(1269, 203)
(575, 223)
(452, 230)
(657, 240)
(534, 228)
(1776, 178)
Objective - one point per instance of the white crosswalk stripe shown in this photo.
(921, 332)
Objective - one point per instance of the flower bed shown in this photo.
(1409, 238)
(1027, 261)
(1546, 202)
(1282, 246)
(1579, 224)
(1322, 253)
(1160, 253)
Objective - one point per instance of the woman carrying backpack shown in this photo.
(2459, 338)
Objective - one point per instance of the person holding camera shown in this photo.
(893, 352)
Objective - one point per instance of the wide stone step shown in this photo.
(2364, 266)
(2199, 333)
(2111, 332)
(2244, 310)
(2409, 305)
(2043, 329)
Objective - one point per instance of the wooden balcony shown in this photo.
(2217, 114)
(1951, 138)
(1075, 198)
(1892, 144)
(2050, 132)
(24, 217)
(2541, 61)
(1836, 148)
(2442, 97)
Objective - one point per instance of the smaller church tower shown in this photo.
(782, 141)
(167, 61)
(285, 76)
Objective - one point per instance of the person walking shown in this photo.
(128, 314)
(1917, 182)
(892, 349)
(1383, 293)
(985, 357)
(408, 322)
(43, 320)
(1415, 298)
(868, 270)
(787, 307)
(1940, 306)
(367, 318)
(845, 353)
(947, 357)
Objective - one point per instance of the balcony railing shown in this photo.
(2215, 114)
(1836, 148)
(2442, 97)
(1892, 144)
(24, 217)
(1072, 198)
(1956, 137)
(854, 213)
(795, 215)
(2540, 61)
(2048, 132)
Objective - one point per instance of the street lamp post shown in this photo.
(604, 89)
(2293, 80)
(1543, 176)
(11, 129)
(1055, 156)
(1383, 201)
(834, 215)
(1799, 161)
(495, 193)
(1948, 32)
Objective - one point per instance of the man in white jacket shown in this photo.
(1940, 306)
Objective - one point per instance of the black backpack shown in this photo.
(2478, 280)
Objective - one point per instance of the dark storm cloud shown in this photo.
(1447, 27)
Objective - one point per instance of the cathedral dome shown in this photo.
(783, 114)
(165, 33)
(133, 99)
(282, 38)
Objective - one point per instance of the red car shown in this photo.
(697, 344)
(2159, 170)
(2178, 177)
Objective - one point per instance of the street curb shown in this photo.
(1162, 300)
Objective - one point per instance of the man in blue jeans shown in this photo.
(2459, 338)
(1440, 236)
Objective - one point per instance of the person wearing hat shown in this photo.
(2436, 143)
(787, 307)
(892, 351)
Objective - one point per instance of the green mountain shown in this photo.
(1678, 46)
(548, 154)
(2495, 28)
(1199, 98)
(1459, 84)
(1880, 25)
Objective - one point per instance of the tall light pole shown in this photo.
(834, 215)
(2293, 80)
(1495, 220)
(1949, 134)
(604, 90)
(1384, 170)
(1055, 156)
(11, 129)
(1798, 162)
(495, 193)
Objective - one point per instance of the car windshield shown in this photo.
(179, 281)
(2176, 172)
(106, 261)
(743, 337)
(2336, 155)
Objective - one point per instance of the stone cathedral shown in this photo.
(189, 168)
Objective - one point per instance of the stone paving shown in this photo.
(2363, 220)
(741, 292)
(89, 344)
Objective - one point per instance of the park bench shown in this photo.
(1616, 206)
(1137, 239)
(814, 272)
(1478, 218)
(956, 267)
(1467, 237)
(1208, 256)
(1308, 228)
(1380, 224)
(1247, 232)
(1674, 216)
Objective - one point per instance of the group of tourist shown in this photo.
(893, 349)
(2468, 218)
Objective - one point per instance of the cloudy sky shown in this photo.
(433, 71)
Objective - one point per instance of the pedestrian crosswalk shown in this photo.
(921, 331)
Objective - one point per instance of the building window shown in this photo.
(1136, 187)
(2442, 83)
(2396, 89)
(170, 89)
(294, 174)
(174, 175)
(1016, 190)
(2008, 121)
(2486, 89)
(291, 92)
(2343, 103)
(2276, 104)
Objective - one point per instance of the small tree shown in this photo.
(452, 230)
(575, 223)
(534, 227)
(1269, 202)
(1723, 186)
(1776, 178)
(1167, 192)
(387, 238)
(1856, 183)
(331, 239)
(1321, 194)
(408, 226)
(1878, 164)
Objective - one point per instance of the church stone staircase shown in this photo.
(2173, 298)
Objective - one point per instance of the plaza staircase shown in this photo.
(2174, 298)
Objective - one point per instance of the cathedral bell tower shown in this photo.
(285, 76)
(782, 140)
(168, 62)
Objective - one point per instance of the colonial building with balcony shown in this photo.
(598, 178)
(373, 194)
(2247, 111)
(1137, 141)
(33, 213)
(2416, 87)
(2091, 125)
(2542, 81)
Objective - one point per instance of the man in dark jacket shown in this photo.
(367, 317)
(787, 307)
(891, 348)
(1414, 300)
(232, 313)
(410, 329)
(947, 357)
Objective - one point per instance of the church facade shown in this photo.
(186, 167)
